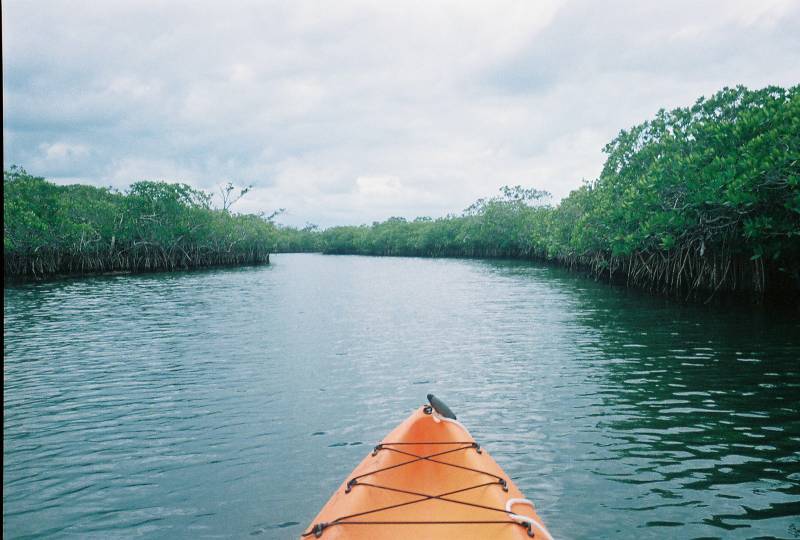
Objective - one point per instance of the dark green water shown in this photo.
(231, 403)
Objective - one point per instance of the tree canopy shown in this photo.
(50, 229)
(700, 198)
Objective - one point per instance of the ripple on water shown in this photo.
(232, 402)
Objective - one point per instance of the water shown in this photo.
(231, 403)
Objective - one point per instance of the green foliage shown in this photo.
(50, 229)
(705, 197)
(294, 240)
(700, 198)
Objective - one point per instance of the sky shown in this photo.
(347, 112)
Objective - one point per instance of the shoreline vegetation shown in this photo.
(698, 202)
(51, 230)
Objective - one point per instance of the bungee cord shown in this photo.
(528, 524)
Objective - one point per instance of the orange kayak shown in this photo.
(428, 479)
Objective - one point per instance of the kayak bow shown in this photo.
(428, 479)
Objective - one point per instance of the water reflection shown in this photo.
(232, 402)
(697, 413)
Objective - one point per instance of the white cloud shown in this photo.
(767, 12)
(242, 73)
(368, 109)
(61, 151)
(127, 87)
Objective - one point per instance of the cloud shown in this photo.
(64, 151)
(371, 109)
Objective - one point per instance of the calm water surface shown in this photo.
(231, 403)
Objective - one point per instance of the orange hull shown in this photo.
(427, 479)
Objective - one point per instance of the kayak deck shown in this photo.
(428, 478)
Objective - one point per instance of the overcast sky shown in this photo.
(348, 112)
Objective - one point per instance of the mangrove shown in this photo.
(697, 201)
(700, 200)
(77, 229)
